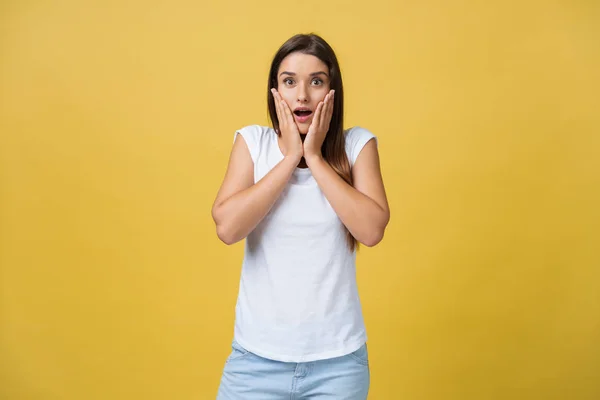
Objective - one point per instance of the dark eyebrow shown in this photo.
(294, 74)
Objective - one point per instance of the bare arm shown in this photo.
(363, 209)
(240, 203)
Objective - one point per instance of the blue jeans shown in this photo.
(247, 376)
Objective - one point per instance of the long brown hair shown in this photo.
(334, 147)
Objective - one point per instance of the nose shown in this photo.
(302, 94)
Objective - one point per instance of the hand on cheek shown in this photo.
(287, 127)
(319, 127)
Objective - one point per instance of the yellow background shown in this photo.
(117, 119)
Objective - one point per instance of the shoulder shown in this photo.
(255, 136)
(356, 138)
(254, 132)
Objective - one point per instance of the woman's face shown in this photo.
(303, 81)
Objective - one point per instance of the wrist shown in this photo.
(292, 158)
(313, 159)
(293, 154)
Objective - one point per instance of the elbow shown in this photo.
(375, 235)
(226, 236)
(224, 232)
(373, 238)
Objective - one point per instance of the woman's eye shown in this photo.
(318, 81)
(288, 81)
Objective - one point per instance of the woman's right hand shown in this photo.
(290, 134)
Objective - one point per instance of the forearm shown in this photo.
(238, 215)
(365, 219)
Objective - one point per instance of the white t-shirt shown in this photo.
(298, 300)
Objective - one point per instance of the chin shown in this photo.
(303, 129)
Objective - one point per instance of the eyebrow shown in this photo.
(313, 74)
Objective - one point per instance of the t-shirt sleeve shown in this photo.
(356, 139)
(251, 135)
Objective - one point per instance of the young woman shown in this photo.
(303, 194)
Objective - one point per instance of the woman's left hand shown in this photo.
(319, 127)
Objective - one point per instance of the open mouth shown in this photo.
(302, 112)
